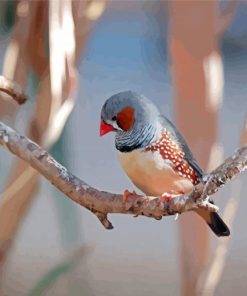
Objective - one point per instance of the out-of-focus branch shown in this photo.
(13, 90)
(243, 138)
(51, 110)
(101, 203)
(193, 48)
(209, 280)
(225, 18)
(15, 60)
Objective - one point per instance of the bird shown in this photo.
(153, 153)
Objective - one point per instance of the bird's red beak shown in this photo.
(105, 128)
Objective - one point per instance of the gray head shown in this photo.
(133, 117)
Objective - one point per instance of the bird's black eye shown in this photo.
(114, 118)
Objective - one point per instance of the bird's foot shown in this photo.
(126, 195)
(205, 178)
(166, 196)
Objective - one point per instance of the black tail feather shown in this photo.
(214, 221)
(217, 225)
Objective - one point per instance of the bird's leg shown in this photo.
(166, 196)
(127, 194)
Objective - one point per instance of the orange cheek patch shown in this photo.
(125, 118)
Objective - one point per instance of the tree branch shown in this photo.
(13, 90)
(100, 202)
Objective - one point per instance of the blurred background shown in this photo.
(190, 59)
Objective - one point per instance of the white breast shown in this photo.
(152, 174)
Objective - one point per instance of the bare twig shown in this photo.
(100, 202)
(231, 167)
(12, 89)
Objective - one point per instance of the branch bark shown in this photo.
(13, 90)
(102, 203)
